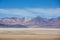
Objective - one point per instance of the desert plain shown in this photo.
(29, 34)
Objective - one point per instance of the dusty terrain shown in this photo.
(30, 35)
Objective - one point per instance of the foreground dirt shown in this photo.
(27, 37)
(30, 35)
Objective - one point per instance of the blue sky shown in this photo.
(30, 8)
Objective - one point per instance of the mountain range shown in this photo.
(36, 22)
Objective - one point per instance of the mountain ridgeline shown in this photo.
(37, 22)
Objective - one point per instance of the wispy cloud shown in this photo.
(52, 12)
(16, 12)
(48, 12)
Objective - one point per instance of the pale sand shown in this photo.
(30, 35)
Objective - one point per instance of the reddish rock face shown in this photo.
(12, 21)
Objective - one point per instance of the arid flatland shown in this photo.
(30, 35)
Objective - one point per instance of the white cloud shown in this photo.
(46, 11)
(15, 12)
(49, 12)
(32, 11)
(21, 12)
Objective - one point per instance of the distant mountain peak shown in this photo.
(34, 22)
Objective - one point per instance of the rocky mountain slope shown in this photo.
(37, 22)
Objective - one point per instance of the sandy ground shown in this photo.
(30, 35)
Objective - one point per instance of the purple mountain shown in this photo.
(37, 22)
